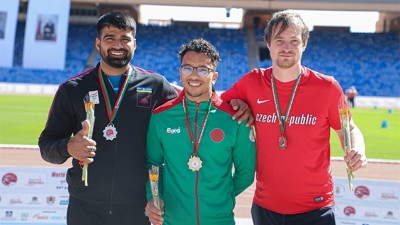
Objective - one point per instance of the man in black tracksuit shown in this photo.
(123, 98)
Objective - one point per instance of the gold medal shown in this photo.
(195, 163)
(282, 142)
(110, 132)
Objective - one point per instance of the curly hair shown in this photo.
(201, 46)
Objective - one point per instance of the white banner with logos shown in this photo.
(33, 195)
(39, 195)
(46, 34)
(8, 25)
(372, 202)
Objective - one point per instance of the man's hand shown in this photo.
(355, 160)
(80, 147)
(155, 215)
(177, 88)
(356, 157)
(243, 111)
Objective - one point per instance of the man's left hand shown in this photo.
(243, 112)
(355, 160)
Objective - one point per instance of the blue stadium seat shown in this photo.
(369, 61)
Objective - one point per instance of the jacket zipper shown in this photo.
(197, 172)
(110, 211)
(197, 198)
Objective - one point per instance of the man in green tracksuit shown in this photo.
(195, 143)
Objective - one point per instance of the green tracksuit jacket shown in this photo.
(206, 197)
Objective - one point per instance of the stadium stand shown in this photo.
(369, 61)
(158, 49)
(79, 46)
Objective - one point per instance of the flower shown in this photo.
(344, 122)
(89, 107)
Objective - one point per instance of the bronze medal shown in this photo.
(282, 142)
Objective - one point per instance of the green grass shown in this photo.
(22, 118)
(381, 143)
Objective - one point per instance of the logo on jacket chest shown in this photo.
(303, 119)
(217, 135)
(173, 130)
(144, 96)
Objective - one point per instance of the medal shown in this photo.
(194, 163)
(282, 142)
(110, 132)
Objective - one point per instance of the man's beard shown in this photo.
(194, 94)
(285, 64)
(116, 62)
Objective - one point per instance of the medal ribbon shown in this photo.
(282, 122)
(111, 114)
(197, 143)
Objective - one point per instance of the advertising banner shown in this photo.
(39, 195)
(46, 34)
(8, 25)
(33, 195)
(371, 203)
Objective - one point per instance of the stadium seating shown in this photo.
(158, 49)
(79, 45)
(369, 61)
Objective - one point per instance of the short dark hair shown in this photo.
(286, 18)
(201, 46)
(117, 19)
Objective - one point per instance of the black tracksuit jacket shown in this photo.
(117, 177)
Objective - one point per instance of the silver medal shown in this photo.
(110, 132)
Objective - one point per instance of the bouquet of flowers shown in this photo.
(344, 121)
(153, 176)
(89, 107)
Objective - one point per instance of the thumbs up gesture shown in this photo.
(80, 147)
